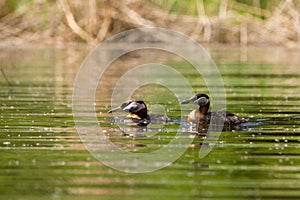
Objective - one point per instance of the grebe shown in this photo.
(202, 116)
(138, 113)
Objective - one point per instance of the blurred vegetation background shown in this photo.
(91, 21)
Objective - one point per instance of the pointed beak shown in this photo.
(186, 101)
(114, 110)
(193, 98)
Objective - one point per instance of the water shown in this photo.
(42, 155)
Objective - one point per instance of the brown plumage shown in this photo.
(202, 117)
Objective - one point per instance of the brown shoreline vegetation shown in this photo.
(59, 22)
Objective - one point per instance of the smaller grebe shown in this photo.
(202, 116)
(138, 113)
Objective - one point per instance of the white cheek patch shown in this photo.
(201, 101)
(134, 107)
(130, 106)
(139, 107)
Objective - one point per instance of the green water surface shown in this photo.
(42, 156)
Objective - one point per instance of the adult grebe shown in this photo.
(202, 116)
(138, 113)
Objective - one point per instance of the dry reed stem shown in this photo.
(203, 22)
(73, 24)
(223, 9)
(68, 21)
(105, 25)
(133, 17)
(5, 77)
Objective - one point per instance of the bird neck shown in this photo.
(204, 109)
(142, 113)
